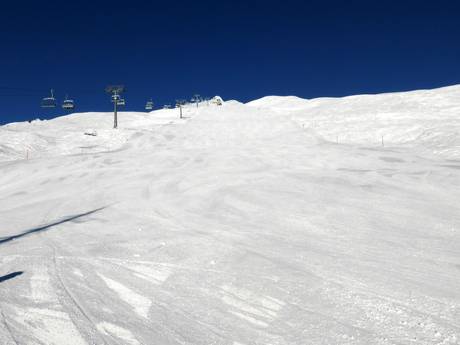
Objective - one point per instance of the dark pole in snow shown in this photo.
(115, 113)
(197, 99)
(115, 91)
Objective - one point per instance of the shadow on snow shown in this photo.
(10, 276)
(48, 226)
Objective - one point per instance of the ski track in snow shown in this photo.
(241, 224)
(46, 326)
(10, 338)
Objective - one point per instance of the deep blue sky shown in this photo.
(239, 50)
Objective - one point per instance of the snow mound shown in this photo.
(70, 134)
(233, 102)
(283, 103)
(424, 119)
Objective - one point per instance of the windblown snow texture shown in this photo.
(281, 221)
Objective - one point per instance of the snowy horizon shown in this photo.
(253, 101)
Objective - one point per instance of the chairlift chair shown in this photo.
(149, 105)
(49, 102)
(120, 101)
(68, 104)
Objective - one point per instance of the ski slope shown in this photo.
(240, 224)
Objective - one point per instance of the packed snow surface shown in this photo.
(281, 221)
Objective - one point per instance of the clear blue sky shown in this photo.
(236, 49)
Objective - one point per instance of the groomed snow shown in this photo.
(281, 221)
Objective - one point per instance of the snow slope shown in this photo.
(66, 135)
(426, 119)
(240, 224)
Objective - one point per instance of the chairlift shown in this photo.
(149, 105)
(180, 103)
(68, 104)
(120, 101)
(49, 102)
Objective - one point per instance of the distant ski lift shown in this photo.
(49, 102)
(149, 105)
(180, 103)
(68, 104)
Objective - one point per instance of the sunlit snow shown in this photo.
(280, 221)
